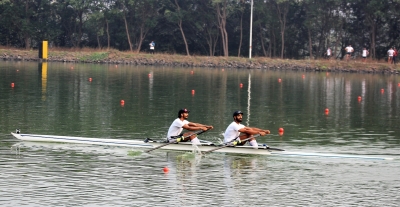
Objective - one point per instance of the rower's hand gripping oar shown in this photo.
(178, 139)
(234, 142)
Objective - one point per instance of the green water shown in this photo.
(85, 100)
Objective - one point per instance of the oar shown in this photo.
(234, 142)
(177, 140)
(277, 149)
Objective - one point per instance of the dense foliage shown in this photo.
(281, 28)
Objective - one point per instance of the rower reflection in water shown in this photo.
(241, 133)
(182, 123)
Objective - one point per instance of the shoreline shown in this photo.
(158, 59)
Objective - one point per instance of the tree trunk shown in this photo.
(108, 35)
(127, 34)
(262, 41)
(309, 43)
(283, 9)
(98, 42)
(184, 38)
(181, 29)
(241, 34)
(221, 15)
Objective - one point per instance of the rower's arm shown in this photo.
(192, 124)
(195, 126)
(253, 131)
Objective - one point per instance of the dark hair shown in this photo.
(181, 111)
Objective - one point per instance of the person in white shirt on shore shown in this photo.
(349, 50)
(237, 131)
(365, 53)
(390, 53)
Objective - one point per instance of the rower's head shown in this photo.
(238, 116)
(183, 113)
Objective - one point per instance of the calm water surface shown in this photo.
(59, 99)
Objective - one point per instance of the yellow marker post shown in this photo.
(45, 50)
(43, 67)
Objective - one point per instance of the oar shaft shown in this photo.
(194, 133)
(228, 143)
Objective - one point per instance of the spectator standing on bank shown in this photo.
(394, 55)
(349, 50)
(152, 46)
(328, 53)
(390, 53)
(365, 53)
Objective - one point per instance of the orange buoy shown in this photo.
(90, 79)
(241, 85)
(165, 169)
(12, 85)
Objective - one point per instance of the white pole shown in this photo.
(251, 27)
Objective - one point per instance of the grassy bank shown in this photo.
(119, 57)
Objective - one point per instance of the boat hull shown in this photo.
(182, 146)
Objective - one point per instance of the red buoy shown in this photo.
(191, 72)
(122, 102)
(359, 98)
(303, 76)
(279, 80)
(280, 133)
(382, 90)
(90, 79)
(165, 169)
(241, 85)
(193, 92)
(12, 85)
(149, 75)
(280, 130)
(326, 111)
